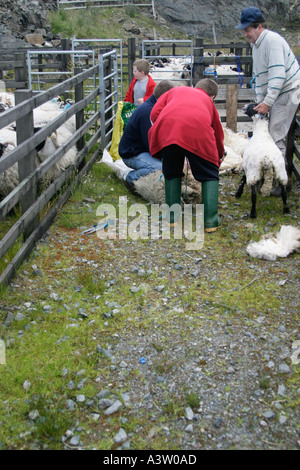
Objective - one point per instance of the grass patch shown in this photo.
(101, 23)
(192, 400)
(94, 306)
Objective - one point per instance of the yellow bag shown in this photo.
(123, 114)
(117, 132)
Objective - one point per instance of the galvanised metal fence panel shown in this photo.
(108, 87)
(47, 76)
(96, 47)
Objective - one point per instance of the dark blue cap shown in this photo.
(250, 15)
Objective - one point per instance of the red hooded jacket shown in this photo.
(149, 90)
(187, 117)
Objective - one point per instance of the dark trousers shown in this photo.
(173, 162)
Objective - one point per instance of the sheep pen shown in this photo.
(42, 116)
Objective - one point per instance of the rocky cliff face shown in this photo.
(21, 17)
(201, 17)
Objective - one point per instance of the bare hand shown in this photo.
(262, 108)
(140, 101)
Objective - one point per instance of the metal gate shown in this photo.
(108, 86)
(82, 4)
(51, 72)
(117, 45)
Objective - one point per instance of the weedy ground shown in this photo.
(212, 325)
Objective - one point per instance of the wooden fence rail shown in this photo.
(35, 216)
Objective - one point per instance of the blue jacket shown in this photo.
(135, 136)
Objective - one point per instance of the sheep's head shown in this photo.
(249, 109)
(3, 107)
(2, 149)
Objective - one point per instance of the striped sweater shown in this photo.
(275, 67)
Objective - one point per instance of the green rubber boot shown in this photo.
(173, 196)
(210, 198)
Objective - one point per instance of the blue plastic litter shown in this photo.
(252, 83)
(99, 226)
(238, 63)
(211, 71)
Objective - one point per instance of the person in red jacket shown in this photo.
(186, 124)
(142, 85)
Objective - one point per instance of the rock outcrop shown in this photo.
(19, 18)
(199, 17)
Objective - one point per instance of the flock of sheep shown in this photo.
(42, 116)
(179, 69)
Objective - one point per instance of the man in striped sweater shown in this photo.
(276, 72)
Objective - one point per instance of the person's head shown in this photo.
(141, 69)
(162, 87)
(252, 23)
(208, 85)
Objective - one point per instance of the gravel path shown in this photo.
(198, 354)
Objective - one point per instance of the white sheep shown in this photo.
(152, 188)
(7, 100)
(178, 69)
(52, 144)
(51, 110)
(175, 69)
(263, 165)
(235, 144)
(42, 116)
(224, 69)
(9, 179)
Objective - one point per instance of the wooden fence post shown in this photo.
(21, 71)
(231, 107)
(25, 129)
(40, 62)
(65, 58)
(198, 69)
(131, 57)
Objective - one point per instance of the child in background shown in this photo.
(142, 85)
